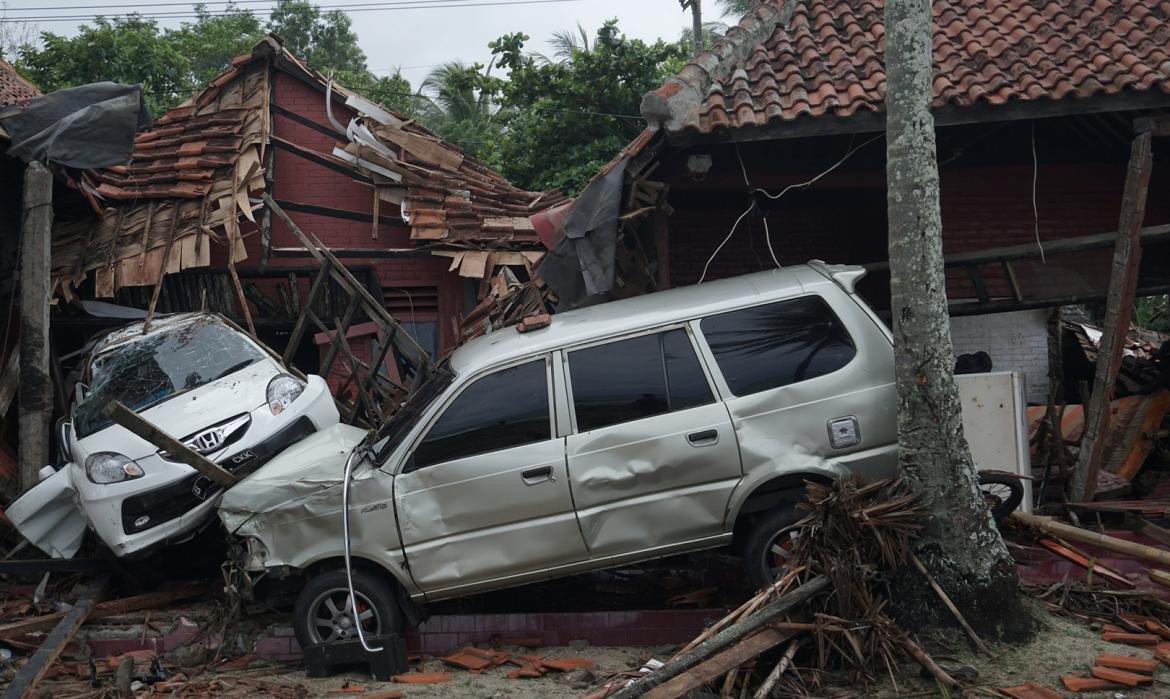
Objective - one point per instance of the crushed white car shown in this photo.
(197, 378)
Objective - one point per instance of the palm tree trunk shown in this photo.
(959, 543)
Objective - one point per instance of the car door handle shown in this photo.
(703, 439)
(536, 475)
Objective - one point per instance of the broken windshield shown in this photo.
(143, 372)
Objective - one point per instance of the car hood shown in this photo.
(188, 412)
(309, 466)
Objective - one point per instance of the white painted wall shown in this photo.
(1016, 341)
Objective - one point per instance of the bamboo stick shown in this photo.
(1111, 543)
(946, 600)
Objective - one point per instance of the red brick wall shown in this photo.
(299, 180)
(982, 208)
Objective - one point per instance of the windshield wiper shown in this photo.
(233, 369)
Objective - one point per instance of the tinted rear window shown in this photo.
(777, 344)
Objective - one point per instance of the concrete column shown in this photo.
(36, 388)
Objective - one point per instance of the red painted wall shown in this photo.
(299, 180)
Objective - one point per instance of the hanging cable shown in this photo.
(1035, 209)
(834, 166)
(357, 453)
(733, 227)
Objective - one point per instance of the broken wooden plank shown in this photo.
(176, 450)
(27, 677)
(136, 603)
(715, 666)
(1147, 529)
(1123, 281)
(1111, 543)
(725, 638)
(946, 600)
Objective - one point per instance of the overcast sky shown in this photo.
(417, 39)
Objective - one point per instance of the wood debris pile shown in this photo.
(505, 302)
(824, 621)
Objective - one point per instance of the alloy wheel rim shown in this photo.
(332, 619)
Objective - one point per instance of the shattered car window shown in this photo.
(161, 365)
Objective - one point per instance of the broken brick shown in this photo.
(1080, 683)
(422, 678)
(529, 670)
(1133, 639)
(1127, 662)
(1129, 679)
(566, 664)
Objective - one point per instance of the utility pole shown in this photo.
(696, 22)
(959, 542)
(36, 388)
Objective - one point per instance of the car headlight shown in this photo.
(109, 467)
(283, 389)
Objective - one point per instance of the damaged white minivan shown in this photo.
(194, 376)
(671, 422)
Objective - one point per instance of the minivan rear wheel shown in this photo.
(768, 544)
(323, 611)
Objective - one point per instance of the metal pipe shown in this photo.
(357, 452)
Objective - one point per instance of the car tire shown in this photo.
(758, 553)
(321, 614)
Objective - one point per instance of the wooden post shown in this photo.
(1123, 280)
(36, 389)
(175, 449)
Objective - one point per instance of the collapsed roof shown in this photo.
(199, 173)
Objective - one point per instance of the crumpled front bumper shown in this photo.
(171, 502)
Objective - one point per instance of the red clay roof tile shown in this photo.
(13, 87)
(826, 60)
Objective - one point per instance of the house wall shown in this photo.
(1016, 341)
(986, 202)
(439, 294)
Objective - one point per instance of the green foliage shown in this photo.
(172, 64)
(1152, 313)
(565, 120)
(212, 40)
(458, 105)
(735, 8)
(325, 40)
(126, 50)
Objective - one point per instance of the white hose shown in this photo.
(345, 535)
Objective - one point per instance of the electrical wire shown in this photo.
(733, 227)
(834, 166)
(208, 2)
(182, 14)
(1035, 209)
(754, 190)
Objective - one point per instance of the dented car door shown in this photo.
(484, 494)
(653, 460)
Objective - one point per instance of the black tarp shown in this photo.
(580, 268)
(88, 126)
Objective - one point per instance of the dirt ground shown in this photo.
(493, 683)
(1061, 646)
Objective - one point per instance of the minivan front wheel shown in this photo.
(768, 544)
(324, 610)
